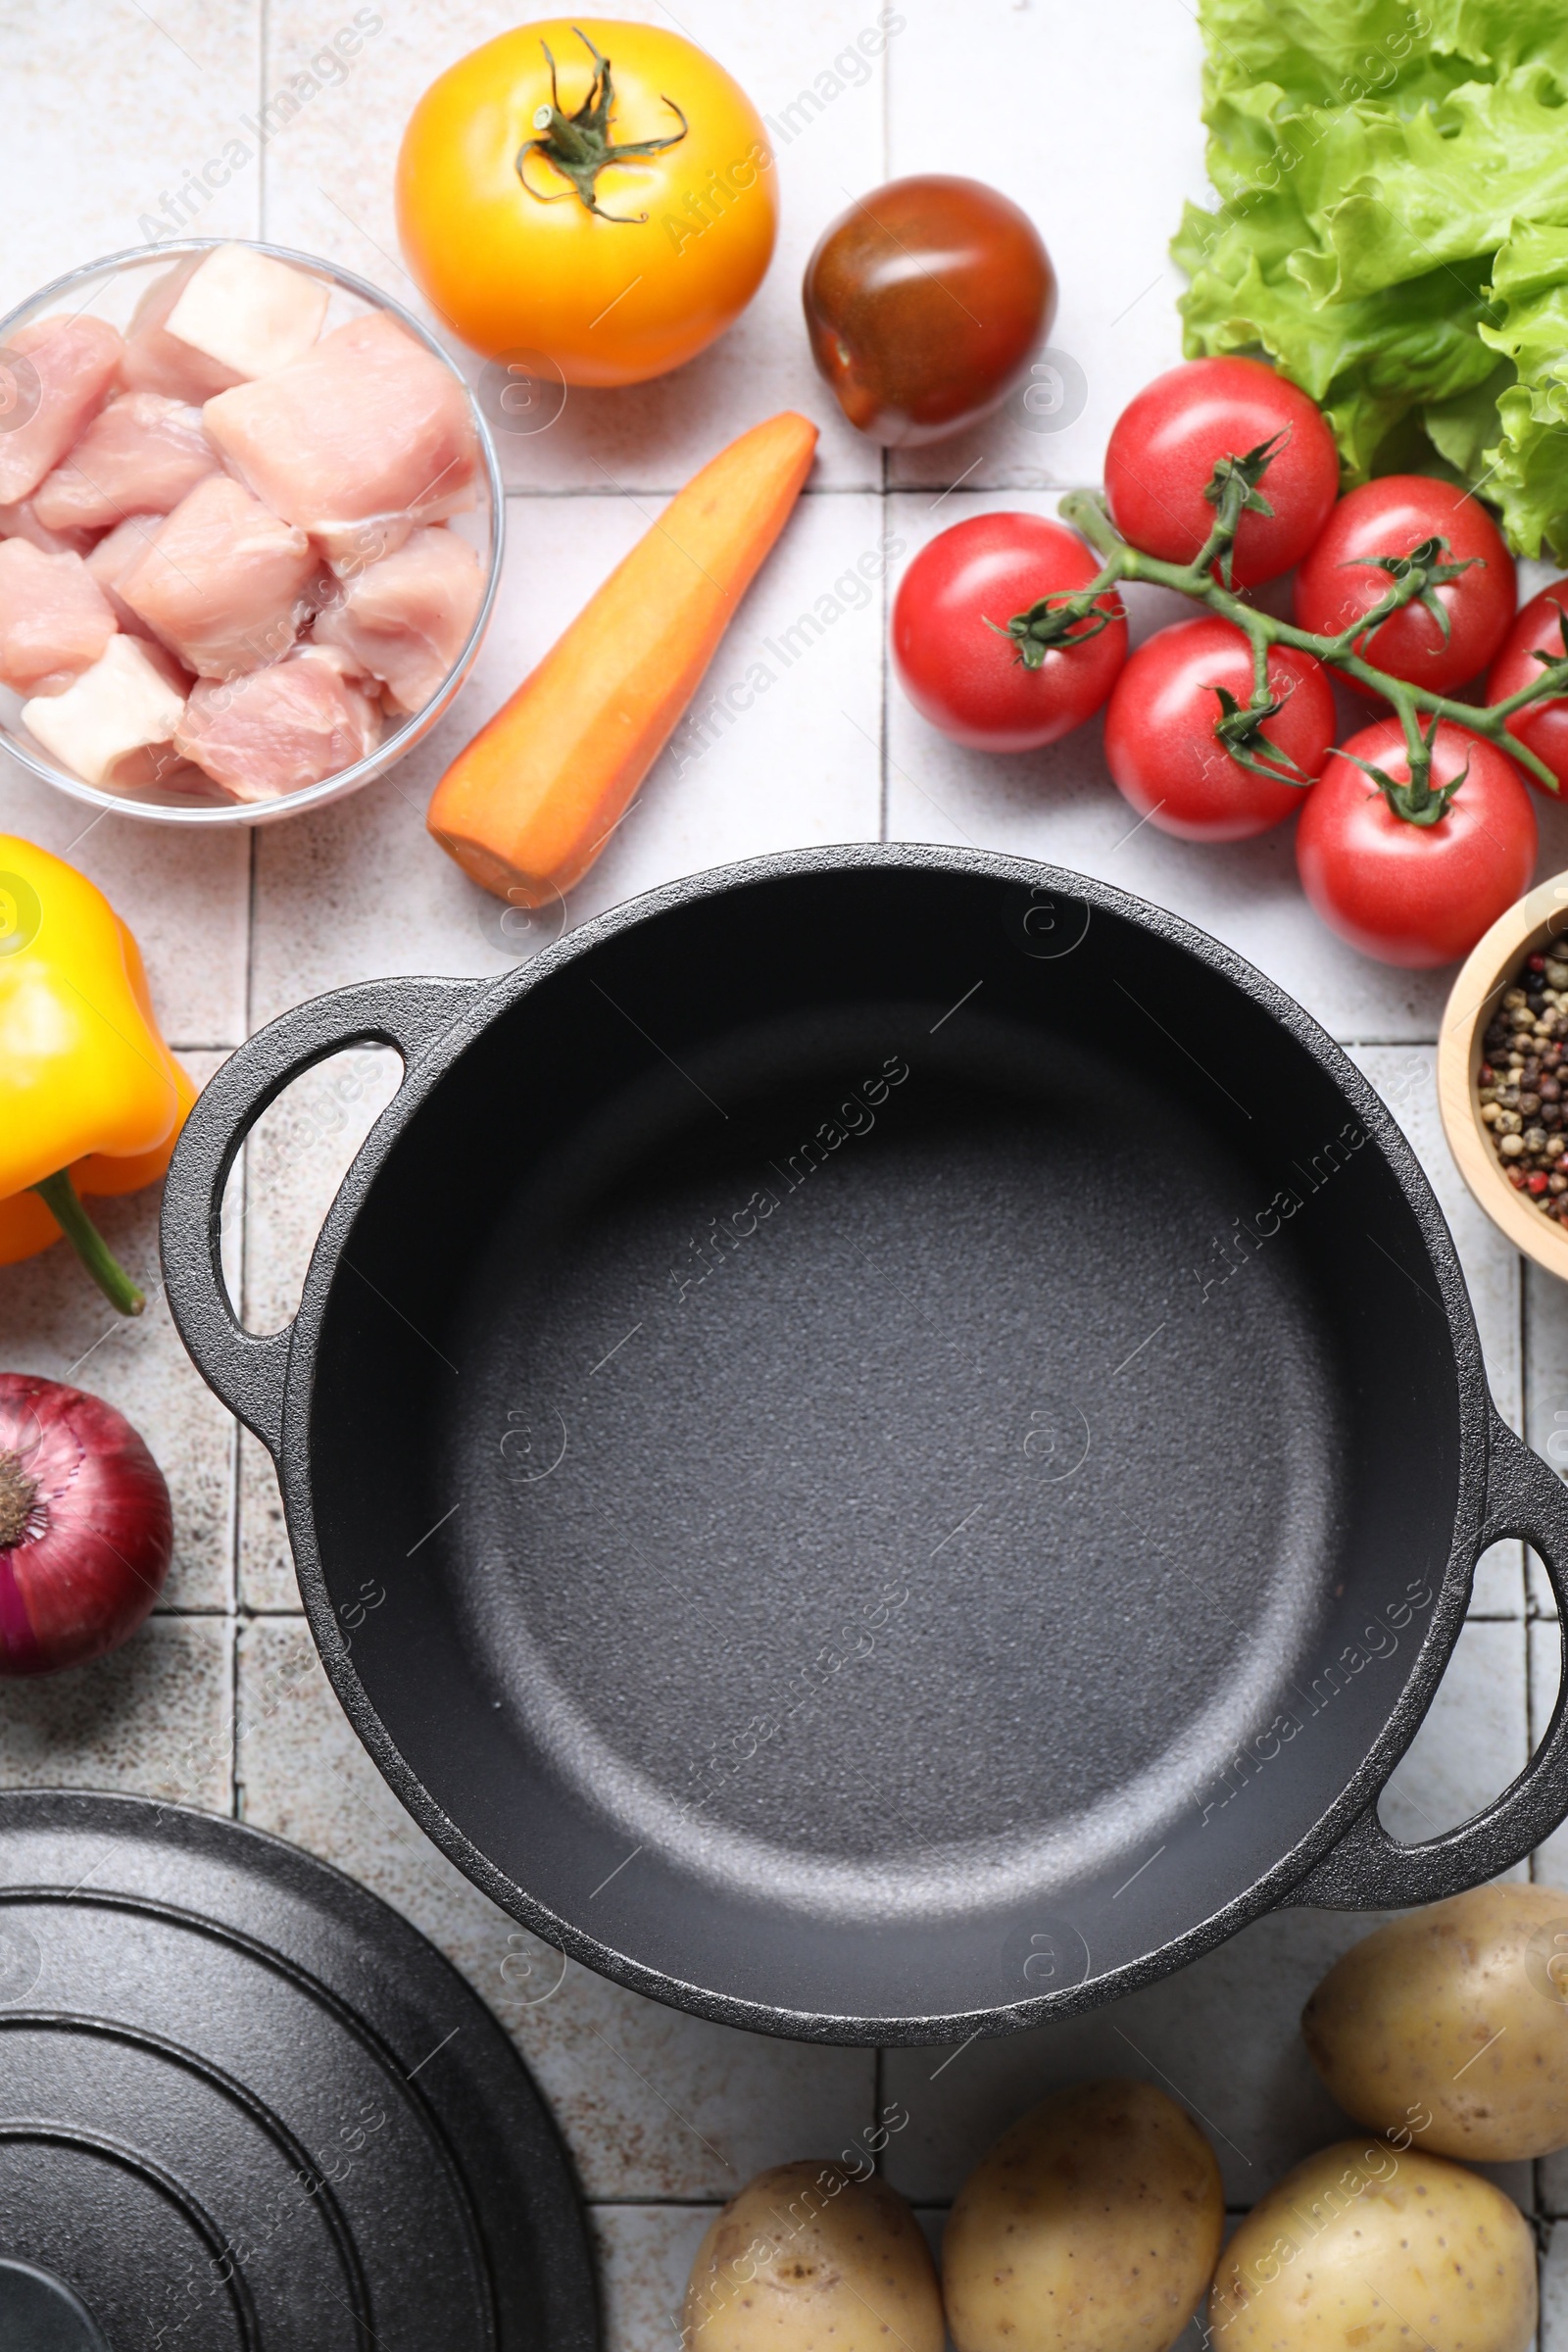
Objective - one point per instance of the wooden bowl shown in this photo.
(1539, 921)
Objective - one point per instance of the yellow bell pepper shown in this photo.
(92, 1100)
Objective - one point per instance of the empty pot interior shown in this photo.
(878, 1401)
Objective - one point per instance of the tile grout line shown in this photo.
(247, 1020)
(235, 1518)
(234, 1719)
(678, 2204)
(247, 1024)
(167, 1610)
(870, 489)
(625, 490)
(261, 115)
(653, 2202)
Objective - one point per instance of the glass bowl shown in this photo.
(111, 289)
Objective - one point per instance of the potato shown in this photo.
(1450, 2025)
(1368, 2244)
(809, 2259)
(1091, 2226)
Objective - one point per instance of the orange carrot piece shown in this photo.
(527, 807)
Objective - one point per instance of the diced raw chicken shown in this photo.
(247, 312)
(19, 522)
(282, 728)
(140, 456)
(68, 368)
(342, 661)
(366, 436)
(119, 552)
(158, 361)
(52, 620)
(116, 725)
(406, 620)
(223, 583)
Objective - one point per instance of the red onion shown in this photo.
(85, 1527)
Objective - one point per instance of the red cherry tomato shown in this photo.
(1544, 725)
(965, 678)
(1416, 895)
(1159, 731)
(1340, 579)
(1166, 443)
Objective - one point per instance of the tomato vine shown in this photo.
(1058, 620)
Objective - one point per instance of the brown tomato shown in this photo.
(925, 302)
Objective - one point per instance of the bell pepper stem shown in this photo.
(59, 1195)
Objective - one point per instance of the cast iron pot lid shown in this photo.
(244, 2107)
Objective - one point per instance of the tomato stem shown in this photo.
(1261, 686)
(1049, 622)
(1233, 491)
(1417, 800)
(1239, 730)
(580, 146)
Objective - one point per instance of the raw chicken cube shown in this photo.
(119, 552)
(55, 374)
(19, 522)
(280, 728)
(248, 311)
(158, 361)
(140, 456)
(406, 620)
(223, 583)
(54, 621)
(115, 725)
(364, 438)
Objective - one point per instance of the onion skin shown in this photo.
(86, 1531)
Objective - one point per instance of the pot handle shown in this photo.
(246, 1370)
(1368, 1870)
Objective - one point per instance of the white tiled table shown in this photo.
(110, 109)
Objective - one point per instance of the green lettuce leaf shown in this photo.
(1388, 198)
(1526, 468)
(1368, 363)
(1337, 52)
(1391, 231)
(1462, 428)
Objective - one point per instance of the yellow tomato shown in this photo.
(615, 213)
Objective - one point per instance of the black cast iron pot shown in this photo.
(881, 1443)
